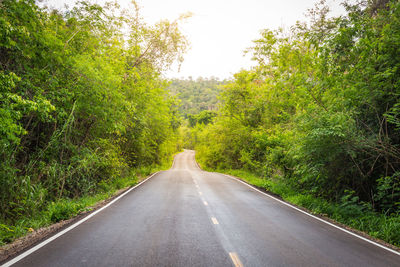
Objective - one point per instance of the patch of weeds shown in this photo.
(63, 210)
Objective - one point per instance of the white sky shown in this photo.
(220, 30)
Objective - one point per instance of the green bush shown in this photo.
(63, 210)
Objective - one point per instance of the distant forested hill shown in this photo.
(196, 95)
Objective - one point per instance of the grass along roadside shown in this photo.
(60, 210)
(65, 209)
(348, 212)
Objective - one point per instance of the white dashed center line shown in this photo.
(214, 220)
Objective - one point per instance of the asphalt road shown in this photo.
(188, 217)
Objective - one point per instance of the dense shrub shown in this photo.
(320, 110)
(82, 102)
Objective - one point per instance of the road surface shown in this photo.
(188, 217)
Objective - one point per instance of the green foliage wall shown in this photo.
(320, 110)
(81, 100)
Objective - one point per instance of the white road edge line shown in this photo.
(315, 217)
(45, 242)
(197, 164)
(173, 163)
(235, 259)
